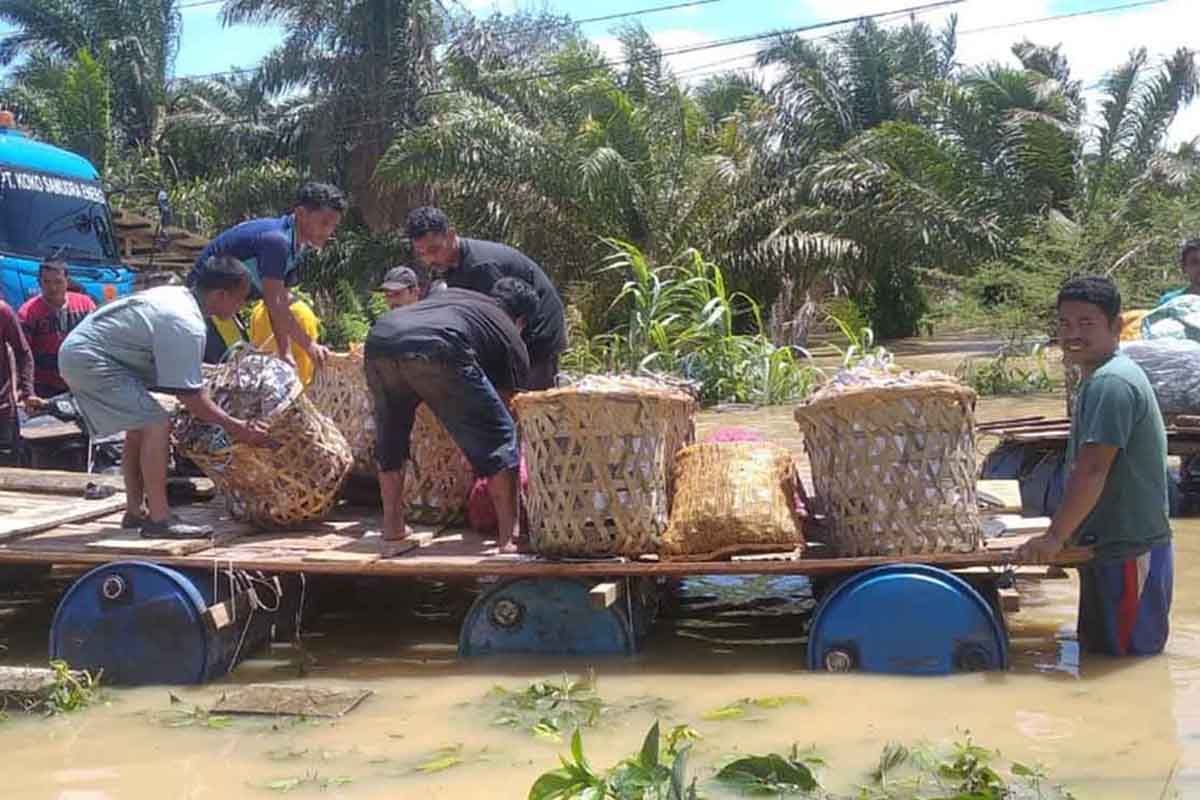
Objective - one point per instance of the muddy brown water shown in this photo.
(1107, 728)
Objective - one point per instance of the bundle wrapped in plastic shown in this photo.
(295, 481)
(1173, 367)
(1175, 319)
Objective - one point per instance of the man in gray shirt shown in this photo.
(153, 340)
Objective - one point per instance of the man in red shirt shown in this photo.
(47, 319)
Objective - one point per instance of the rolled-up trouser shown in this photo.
(458, 393)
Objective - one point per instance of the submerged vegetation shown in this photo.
(661, 771)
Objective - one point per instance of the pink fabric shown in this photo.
(734, 435)
(481, 513)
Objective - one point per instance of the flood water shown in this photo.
(1107, 728)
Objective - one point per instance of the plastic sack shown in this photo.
(1173, 367)
(481, 512)
(1174, 319)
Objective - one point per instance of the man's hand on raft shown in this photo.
(1041, 549)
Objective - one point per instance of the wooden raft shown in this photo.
(1183, 432)
(346, 545)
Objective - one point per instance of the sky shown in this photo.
(1093, 44)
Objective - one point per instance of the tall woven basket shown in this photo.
(439, 476)
(339, 391)
(894, 468)
(295, 482)
(599, 456)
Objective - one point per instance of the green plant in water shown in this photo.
(771, 774)
(652, 774)
(71, 691)
(312, 778)
(1007, 373)
(546, 709)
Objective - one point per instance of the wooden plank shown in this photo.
(135, 545)
(46, 518)
(603, 595)
(300, 701)
(1010, 601)
(365, 550)
(1000, 494)
(16, 479)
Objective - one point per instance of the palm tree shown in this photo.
(136, 42)
(363, 65)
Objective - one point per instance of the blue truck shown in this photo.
(53, 206)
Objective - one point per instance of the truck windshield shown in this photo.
(46, 216)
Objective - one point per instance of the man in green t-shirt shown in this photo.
(1189, 262)
(1116, 494)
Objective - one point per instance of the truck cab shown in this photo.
(53, 206)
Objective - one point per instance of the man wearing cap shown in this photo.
(400, 288)
(478, 265)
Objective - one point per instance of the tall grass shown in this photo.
(681, 318)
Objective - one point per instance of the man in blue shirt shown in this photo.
(270, 249)
(1189, 261)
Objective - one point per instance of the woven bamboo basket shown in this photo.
(730, 498)
(296, 481)
(894, 468)
(339, 391)
(599, 457)
(439, 477)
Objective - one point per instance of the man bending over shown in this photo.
(459, 352)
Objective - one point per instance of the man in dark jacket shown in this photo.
(460, 353)
(477, 265)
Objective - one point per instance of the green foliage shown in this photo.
(771, 774)
(71, 691)
(548, 709)
(652, 774)
(344, 319)
(1008, 373)
(682, 318)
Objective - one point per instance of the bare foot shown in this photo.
(508, 548)
(389, 536)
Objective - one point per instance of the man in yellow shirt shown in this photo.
(262, 338)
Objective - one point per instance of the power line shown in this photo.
(544, 25)
(1070, 15)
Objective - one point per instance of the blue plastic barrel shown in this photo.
(141, 623)
(907, 619)
(545, 616)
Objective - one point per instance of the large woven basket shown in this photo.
(730, 498)
(599, 456)
(296, 481)
(439, 477)
(339, 391)
(894, 468)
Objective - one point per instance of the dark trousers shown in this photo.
(543, 371)
(458, 393)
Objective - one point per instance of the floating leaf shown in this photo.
(442, 760)
(735, 711)
(772, 773)
(776, 701)
(283, 784)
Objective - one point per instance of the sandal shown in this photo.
(174, 528)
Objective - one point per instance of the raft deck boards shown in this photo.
(448, 553)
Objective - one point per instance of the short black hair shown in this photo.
(426, 219)
(516, 297)
(316, 196)
(222, 272)
(52, 265)
(1189, 247)
(1094, 289)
